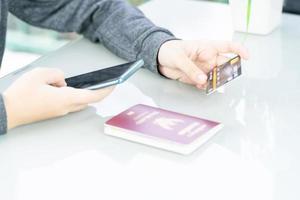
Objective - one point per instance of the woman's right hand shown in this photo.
(42, 94)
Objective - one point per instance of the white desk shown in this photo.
(255, 156)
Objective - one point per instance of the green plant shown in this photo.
(248, 13)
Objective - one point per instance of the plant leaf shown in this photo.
(248, 13)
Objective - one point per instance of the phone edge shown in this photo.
(135, 66)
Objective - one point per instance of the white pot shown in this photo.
(265, 15)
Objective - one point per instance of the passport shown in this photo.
(162, 129)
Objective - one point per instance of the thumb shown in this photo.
(82, 96)
(50, 76)
(192, 71)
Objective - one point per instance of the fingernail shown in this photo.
(202, 78)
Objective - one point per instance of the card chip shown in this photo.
(235, 60)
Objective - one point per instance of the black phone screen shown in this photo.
(99, 76)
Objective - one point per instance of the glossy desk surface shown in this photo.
(255, 156)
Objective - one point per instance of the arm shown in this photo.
(3, 119)
(128, 33)
(119, 26)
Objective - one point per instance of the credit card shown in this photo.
(223, 74)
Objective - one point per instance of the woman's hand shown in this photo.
(190, 61)
(42, 94)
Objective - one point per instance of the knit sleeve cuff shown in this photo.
(151, 46)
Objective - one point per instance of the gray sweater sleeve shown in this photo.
(3, 118)
(121, 27)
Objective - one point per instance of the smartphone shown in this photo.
(105, 77)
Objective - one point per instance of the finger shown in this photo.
(201, 87)
(176, 74)
(191, 70)
(82, 97)
(51, 76)
(222, 59)
(217, 61)
(171, 73)
(232, 47)
(208, 65)
(78, 108)
(186, 80)
(102, 93)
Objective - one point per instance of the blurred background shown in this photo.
(26, 43)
